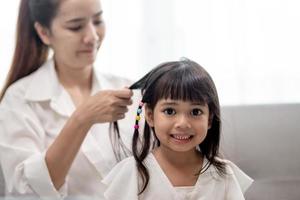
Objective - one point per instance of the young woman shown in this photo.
(55, 113)
(178, 157)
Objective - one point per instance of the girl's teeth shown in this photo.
(181, 137)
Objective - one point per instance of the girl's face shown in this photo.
(76, 33)
(179, 125)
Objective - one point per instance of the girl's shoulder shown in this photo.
(121, 182)
(120, 169)
(235, 175)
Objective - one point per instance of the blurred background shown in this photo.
(250, 47)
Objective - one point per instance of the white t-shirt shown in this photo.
(32, 114)
(184, 191)
(123, 180)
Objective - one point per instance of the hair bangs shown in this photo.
(181, 84)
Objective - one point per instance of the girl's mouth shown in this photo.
(182, 137)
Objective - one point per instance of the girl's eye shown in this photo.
(196, 112)
(169, 111)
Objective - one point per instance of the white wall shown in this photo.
(250, 47)
(8, 17)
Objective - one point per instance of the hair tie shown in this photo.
(138, 117)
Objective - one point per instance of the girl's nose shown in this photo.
(183, 122)
(91, 34)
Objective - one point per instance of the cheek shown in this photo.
(101, 32)
(60, 43)
(161, 126)
(202, 127)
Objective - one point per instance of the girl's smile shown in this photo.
(179, 125)
(182, 138)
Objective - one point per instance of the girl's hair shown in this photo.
(179, 80)
(119, 148)
(30, 52)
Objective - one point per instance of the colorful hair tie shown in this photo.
(138, 117)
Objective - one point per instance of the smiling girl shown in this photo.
(177, 155)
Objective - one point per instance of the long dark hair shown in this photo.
(30, 52)
(178, 80)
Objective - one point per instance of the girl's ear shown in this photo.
(149, 116)
(43, 33)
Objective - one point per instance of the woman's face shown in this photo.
(76, 33)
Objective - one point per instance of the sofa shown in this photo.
(264, 141)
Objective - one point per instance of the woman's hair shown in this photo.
(179, 80)
(30, 52)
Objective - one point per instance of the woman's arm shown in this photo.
(105, 106)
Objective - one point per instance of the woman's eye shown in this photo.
(98, 22)
(169, 111)
(75, 28)
(196, 112)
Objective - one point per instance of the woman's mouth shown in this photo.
(87, 51)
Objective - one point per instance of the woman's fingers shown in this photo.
(109, 105)
(123, 93)
(123, 102)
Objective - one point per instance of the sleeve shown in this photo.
(122, 181)
(22, 153)
(243, 179)
(237, 182)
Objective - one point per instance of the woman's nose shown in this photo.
(91, 34)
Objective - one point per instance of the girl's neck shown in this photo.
(178, 158)
(181, 168)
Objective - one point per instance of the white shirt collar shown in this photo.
(45, 86)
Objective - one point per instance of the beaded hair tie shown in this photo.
(138, 117)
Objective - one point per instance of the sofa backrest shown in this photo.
(264, 141)
(2, 189)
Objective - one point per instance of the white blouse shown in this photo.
(32, 114)
(123, 180)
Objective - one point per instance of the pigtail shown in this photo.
(140, 154)
(119, 148)
(115, 138)
(141, 145)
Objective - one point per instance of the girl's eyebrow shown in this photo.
(174, 103)
(198, 103)
(80, 19)
(169, 103)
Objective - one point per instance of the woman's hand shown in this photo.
(105, 106)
